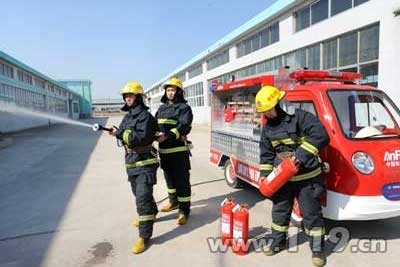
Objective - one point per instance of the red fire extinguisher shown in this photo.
(227, 220)
(296, 212)
(278, 177)
(263, 120)
(240, 229)
(228, 114)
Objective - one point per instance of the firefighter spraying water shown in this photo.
(136, 133)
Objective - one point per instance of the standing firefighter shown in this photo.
(299, 135)
(136, 132)
(174, 119)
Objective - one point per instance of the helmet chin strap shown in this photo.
(173, 100)
(287, 107)
(134, 104)
(178, 93)
(170, 100)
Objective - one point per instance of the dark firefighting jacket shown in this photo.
(137, 132)
(300, 134)
(175, 121)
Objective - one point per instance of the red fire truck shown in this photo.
(362, 162)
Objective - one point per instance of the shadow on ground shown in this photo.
(340, 232)
(40, 172)
(207, 211)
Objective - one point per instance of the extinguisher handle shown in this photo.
(244, 205)
(296, 162)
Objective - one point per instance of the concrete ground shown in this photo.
(5, 142)
(65, 201)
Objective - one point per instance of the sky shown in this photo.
(113, 42)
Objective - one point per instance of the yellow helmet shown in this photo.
(173, 82)
(268, 97)
(132, 88)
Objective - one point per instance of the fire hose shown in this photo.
(98, 127)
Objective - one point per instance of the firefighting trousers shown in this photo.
(142, 188)
(308, 193)
(176, 167)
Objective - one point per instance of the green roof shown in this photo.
(75, 80)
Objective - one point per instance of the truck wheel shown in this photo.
(230, 176)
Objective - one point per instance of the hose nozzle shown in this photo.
(98, 127)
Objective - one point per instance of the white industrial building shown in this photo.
(26, 88)
(107, 105)
(348, 35)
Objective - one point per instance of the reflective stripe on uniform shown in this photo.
(309, 148)
(146, 218)
(307, 175)
(317, 231)
(142, 163)
(184, 199)
(275, 143)
(286, 141)
(266, 167)
(171, 191)
(279, 228)
(176, 132)
(302, 141)
(173, 150)
(167, 121)
(125, 136)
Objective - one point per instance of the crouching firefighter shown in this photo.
(136, 132)
(174, 118)
(299, 135)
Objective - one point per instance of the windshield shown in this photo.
(364, 114)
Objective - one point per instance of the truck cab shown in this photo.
(362, 161)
